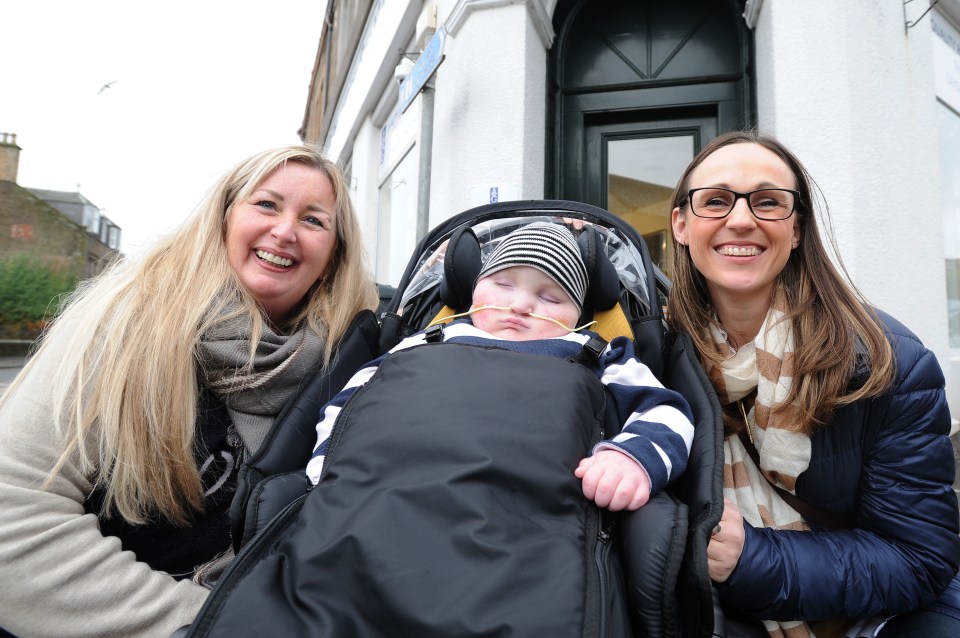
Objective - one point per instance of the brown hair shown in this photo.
(830, 318)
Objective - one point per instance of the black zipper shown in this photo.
(601, 554)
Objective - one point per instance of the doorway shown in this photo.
(637, 88)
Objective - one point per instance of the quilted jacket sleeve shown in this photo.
(905, 549)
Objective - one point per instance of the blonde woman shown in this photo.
(840, 517)
(120, 439)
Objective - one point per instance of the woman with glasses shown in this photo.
(839, 514)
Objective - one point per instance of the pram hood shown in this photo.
(417, 299)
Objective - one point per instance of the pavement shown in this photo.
(9, 367)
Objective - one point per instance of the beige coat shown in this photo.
(62, 576)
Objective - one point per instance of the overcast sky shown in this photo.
(194, 86)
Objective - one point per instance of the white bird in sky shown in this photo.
(105, 86)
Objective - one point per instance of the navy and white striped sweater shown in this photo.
(657, 434)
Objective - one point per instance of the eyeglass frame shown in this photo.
(746, 198)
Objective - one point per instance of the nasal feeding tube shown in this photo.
(528, 314)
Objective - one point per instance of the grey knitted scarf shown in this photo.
(254, 397)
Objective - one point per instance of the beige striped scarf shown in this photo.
(765, 365)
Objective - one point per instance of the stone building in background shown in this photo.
(103, 236)
(63, 229)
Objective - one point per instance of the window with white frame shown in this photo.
(397, 220)
(91, 218)
(398, 172)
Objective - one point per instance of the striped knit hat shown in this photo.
(551, 249)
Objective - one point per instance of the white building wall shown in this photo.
(489, 117)
(851, 92)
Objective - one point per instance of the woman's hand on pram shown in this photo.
(726, 543)
(613, 480)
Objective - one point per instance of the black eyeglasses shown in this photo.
(770, 204)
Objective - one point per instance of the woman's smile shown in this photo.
(274, 259)
(738, 250)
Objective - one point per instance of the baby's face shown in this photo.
(525, 291)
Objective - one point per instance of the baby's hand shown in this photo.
(613, 480)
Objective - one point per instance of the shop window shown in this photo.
(946, 57)
(949, 129)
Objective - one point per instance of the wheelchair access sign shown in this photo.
(430, 58)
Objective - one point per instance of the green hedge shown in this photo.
(30, 293)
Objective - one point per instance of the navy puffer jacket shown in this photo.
(889, 462)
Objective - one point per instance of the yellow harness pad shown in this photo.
(612, 323)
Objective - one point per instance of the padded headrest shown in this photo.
(461, 266)
(603, 292)
(463, 261)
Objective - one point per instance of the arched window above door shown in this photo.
(615, 44)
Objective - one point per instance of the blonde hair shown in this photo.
(831, 320)
(125, 392)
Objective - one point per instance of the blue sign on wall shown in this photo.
(430, 58)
